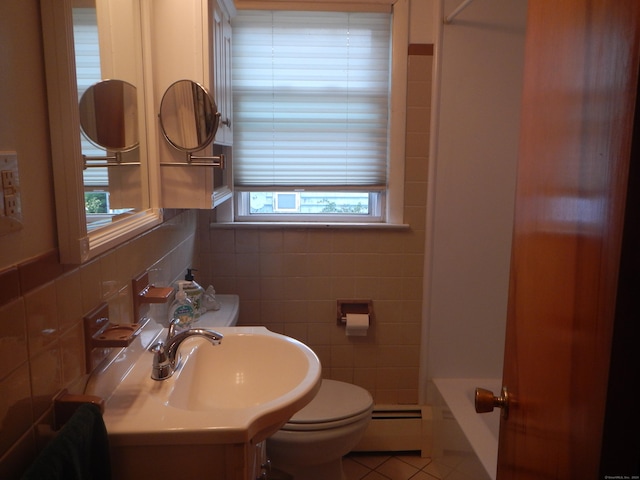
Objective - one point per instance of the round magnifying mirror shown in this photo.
(109, 115)
(188, 116)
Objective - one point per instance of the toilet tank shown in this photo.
(227, 316)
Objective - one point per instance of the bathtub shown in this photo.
(460, 429)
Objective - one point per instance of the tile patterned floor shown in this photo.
(410, 466)
(359, 466)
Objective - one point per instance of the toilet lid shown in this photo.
(334, 403)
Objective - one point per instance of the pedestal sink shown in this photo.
(221, 401)
(246, 371)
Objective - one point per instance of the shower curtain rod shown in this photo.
(449, 18)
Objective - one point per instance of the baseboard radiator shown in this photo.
(398, 428)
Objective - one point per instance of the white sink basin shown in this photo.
(244, 371)
(242, 390)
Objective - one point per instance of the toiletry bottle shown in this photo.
(194, 292)
(181, 310)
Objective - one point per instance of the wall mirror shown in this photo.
(105, 43)
(189, 118)
(87, 41)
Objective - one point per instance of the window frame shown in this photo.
(393, 196)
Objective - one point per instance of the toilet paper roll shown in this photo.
(357, 324)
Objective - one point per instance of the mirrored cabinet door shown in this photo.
(95, 80)
(108, 81)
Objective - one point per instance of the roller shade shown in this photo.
(311, 98)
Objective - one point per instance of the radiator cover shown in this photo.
(398, 428)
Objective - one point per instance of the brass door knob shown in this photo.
(486, 401)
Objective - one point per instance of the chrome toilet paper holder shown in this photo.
(353, 306)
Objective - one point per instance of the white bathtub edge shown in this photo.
(458, 395)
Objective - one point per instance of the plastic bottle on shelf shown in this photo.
(194, 292)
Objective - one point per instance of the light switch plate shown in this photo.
(10, 205)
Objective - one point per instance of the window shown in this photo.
(312, 94)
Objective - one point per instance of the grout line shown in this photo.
(370, 470)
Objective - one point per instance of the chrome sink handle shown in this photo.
(161, 367)
(164, 356)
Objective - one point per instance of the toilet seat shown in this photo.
(336, 404)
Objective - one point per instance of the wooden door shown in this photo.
(580, 83)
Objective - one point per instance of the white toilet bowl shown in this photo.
(311, 445)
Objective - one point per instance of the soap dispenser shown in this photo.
(194, 292)
(181, 310)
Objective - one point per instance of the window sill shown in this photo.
(310, 225)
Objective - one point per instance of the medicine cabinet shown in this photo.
(119, 25)
(191, 40)
(148, 45)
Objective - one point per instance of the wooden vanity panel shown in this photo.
(228, 462)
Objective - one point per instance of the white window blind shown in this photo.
(311, 99)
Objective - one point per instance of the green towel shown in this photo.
(80, 451)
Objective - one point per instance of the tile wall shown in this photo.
(41, 339)
(289, 279)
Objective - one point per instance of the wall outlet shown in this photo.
(8, 180)
(10, 206)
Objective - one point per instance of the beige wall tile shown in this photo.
(415, 194)
(16, 414)
(13, 337)
(222, 241)
(419, 68)
(46, 377)
(232, 265)
(418, 119)
(417, 146)
(294, 265)
(271, 241)
(320, 242)
(318, 264)
(248, 265)
(72, 351)
(296, 312)
(42, 317)
(295, 241)
(247, 241)
(319, 334)
(419, 94)
(69, 299)
(91, 285)
(318, 289)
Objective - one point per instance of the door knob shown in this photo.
(486, 401)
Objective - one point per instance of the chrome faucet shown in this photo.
(165, 354)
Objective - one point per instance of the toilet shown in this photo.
(311, 445)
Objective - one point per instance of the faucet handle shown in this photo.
(158, 349)
(161, 367)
